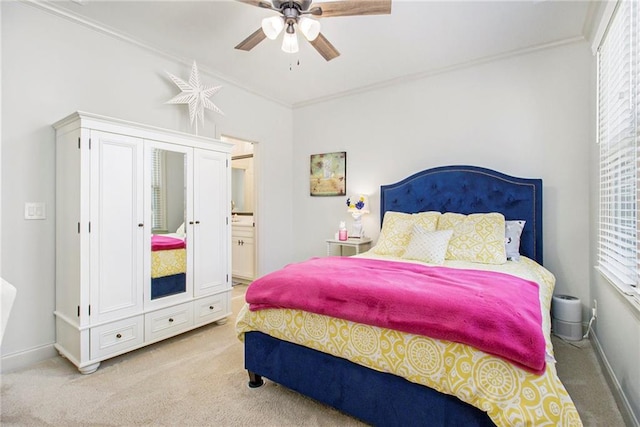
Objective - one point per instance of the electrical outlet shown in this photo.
(594, 310)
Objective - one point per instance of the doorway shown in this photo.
(244, 210)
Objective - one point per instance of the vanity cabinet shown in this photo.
(243, 251)
(119, 187)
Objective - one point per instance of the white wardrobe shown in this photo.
(143, 236)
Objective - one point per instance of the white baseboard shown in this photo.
(627, 412)
(24, 359)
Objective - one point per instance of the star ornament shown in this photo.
(196, 95)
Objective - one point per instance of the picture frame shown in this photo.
(328, 174)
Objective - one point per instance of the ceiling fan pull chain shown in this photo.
(291, 66)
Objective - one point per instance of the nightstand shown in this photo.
(360, 245)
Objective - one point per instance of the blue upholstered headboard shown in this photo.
(471, 189)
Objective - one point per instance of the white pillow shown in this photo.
(512, 232)
(428, 246)
(181, 230)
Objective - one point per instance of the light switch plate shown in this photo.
(35, 210)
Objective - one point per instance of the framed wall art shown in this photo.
(328, 176)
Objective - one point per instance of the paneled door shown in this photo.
(211, 208)
(116, 226)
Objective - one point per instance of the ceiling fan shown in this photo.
(293, 13)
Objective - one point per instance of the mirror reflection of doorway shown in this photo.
(243, 210)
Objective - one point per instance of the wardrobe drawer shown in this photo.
(117, 337)
(211, 308)
(168, 321)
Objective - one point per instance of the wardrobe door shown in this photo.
(211, 238)
(116, 226)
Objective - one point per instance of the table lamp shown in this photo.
(357, 206)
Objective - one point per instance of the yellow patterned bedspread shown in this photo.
(168, 262)
(511, 396)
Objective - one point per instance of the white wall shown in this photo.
(52, 67)
(525, 116)
(617, 335)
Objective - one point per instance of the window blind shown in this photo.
(158, 189)
(618, 135)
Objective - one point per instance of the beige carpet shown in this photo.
(197, 379)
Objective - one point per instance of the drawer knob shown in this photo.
(210, 307)
(170, 319)
(118, 336)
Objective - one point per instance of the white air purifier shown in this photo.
(566, 316)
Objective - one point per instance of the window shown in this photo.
(158, 192)
(618, 136)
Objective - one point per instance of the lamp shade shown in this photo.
(272, 27)
(310, 28)
(290, 43)
(358, 204)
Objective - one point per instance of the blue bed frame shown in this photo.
(380, 398)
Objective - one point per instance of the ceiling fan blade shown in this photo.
(353, 7)
(260, 3)
(324, 47)
(251, 41)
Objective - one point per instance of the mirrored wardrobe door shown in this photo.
(168, 259)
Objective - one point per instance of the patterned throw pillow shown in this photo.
(512, 232)
(427, 220)
(397, 228)
(428, 246)
(476, 237)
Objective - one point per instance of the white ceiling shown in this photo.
(418, 38)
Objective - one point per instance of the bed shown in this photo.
(392, 373)
(168, 265)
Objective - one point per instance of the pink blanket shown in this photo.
(163, 243)
(494, 312)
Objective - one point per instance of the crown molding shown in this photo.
(50, 6)
(430, 73)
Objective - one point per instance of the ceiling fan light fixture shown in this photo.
(310, 28)
(272, 27)
(290, 43)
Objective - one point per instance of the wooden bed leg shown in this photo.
(255, 380)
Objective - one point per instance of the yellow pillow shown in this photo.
(476, 237)
(397, 228)
(428, 221)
